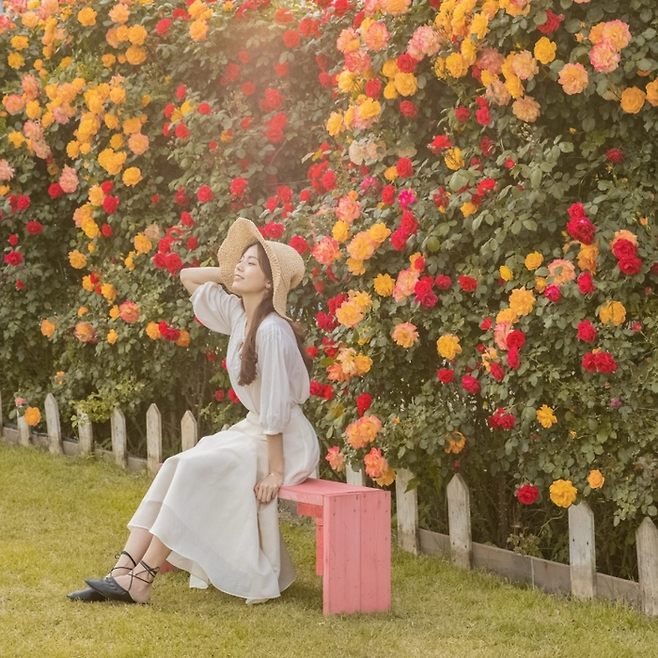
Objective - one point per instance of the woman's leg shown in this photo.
(140, 580)
(136, 546)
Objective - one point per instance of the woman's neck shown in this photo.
(250, 304)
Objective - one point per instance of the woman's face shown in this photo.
(248, 276)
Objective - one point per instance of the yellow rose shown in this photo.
(198, 30)
(479, 26)
(355, 266)
(132, 176)
(361, 247)
(369, 108)
(15, 60)
(137, 35)
(545, 416)
(540, 284)
(521, 301)
(334, 124)
(111, 161)
(507, 315)
(456, 65)
(153, 330)
(632, 100)
(114, 312)
(384, 285)
(135, 55)
(87, 17)
(614, 312)
(390, 92)
(468, 208)
(563, 493)
(87, 284)
(142, 244)
(112, 336)
(588, 257)
(390, 68)
(77, 260)
(116, 141)
(184, 338)
(109, 292)
(129, 262)
(119, 14)
(506, 273)
(595, 479)
(406, 84)
(48, 328)
(533, 261)
(652, 92)
(349, 314)
(347, 81)
(131, 126)
(391, 173)
(90, 228)
(448, 346)
(111, 121)
(32, 416)
(453, 159)
(544, 50)
(19, 42)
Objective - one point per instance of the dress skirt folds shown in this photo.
(201, 503)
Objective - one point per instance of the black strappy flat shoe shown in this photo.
(89, 594)
(112, 591)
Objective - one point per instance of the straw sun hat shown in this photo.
(287, 265)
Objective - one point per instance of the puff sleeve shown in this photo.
(277, 350)
(215, 308)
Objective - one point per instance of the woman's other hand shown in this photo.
(267, 489)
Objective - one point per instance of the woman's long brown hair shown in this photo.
(249, 360)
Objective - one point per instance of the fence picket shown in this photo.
(85, 434)
(407, 512)
(24, 432)
(153, 439)
(647, 561)
(582, 551)
(53, 425)
(188, 430)
(119, 437)
(356, 477)
(459, 522)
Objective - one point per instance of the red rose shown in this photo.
(586, 283)
(470, 384)
(233, 397)
(180, 92)
(551, 23)
(404, 168)
(272, 230)
(408, 223)
(13, 239)
(327, 391)
(283, 16)
(513, 358)
(443, 282)
(616, 156)
(238, 187)
(604, 362)
(497, 371)
(586, 331)
(624, 249)
(281, 69)
(467, 283)
(219, 395)
(588, 362)
(439, 143)
(186, 219)
(192, 243)
(325, 79)
(244, 56)
(462, 113)
(14, 258)
(552, 293)
(300, 245)
(274, 134)
(291, 38)
(326, 321)
(445, 375)
(232, 71)
(406, 63)
(181, 131)
(408, 109)
(581, 229)
(173, 263)
(33, 227)
(106, 230)
(162, 27)
(630, 265)
(399, 239)
(308, 26)
(388, 195)
(335, 302)
(110, 204)
(423, 290)
(204, 108)
(363, 403)
(273, 99)
(204, 194)
(482, 116)
(485, 325)
(527, 494)
(107, 186)
(23, 202)
(373, 88)
(515, 339)
(328, 180)
(576, 210)
(312, 351)
(55, 190)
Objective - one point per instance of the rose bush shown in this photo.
(472, 184)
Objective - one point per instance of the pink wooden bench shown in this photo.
(353, 543)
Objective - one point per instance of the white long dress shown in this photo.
(202, 504)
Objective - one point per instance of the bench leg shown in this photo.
(357, 553)
(319, 545)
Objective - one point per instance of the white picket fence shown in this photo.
(579, 578)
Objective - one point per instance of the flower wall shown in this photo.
(472, 184)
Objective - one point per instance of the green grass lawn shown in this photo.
(62, 519)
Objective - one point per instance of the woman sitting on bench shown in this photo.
(212, 510)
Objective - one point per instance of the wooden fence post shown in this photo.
(188, 430)
(153, 439)
(23, 432)
(355, 477)
(646, 538)
(1, 421)
(119, 438)
(582, 551)
(53, 425)
(459, 522)
(85, 434)
(407, 511)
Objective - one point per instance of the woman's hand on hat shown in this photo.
(267, 489)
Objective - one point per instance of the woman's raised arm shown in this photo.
(193, 277)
